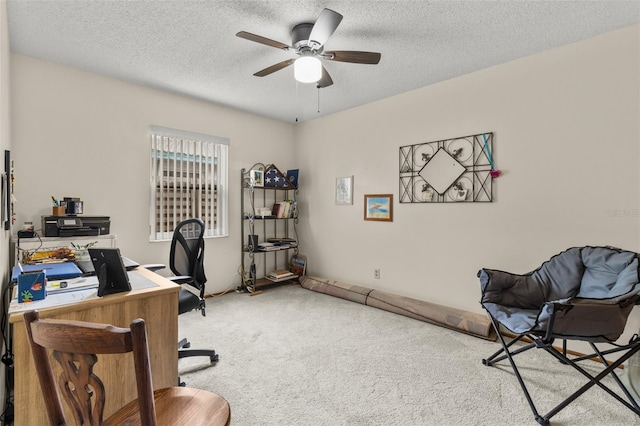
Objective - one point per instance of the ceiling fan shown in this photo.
(308, 44)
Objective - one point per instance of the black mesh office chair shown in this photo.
(186, 261)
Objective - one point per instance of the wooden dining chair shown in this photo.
(76, 344)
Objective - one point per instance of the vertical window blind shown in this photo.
(188, 179)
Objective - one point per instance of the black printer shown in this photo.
(75, 226)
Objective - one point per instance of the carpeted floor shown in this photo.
(291, 356)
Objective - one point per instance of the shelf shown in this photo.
(266, 227)
(264, 282)
(268, 218)
(279, 280)
(277, 249)
(246, 250)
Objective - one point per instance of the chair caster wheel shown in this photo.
(187, 345)
(485, 362)
(213, 358)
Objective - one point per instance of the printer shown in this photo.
(74, 226)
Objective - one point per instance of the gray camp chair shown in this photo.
(583, 293)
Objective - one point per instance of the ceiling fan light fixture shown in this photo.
(307, 69)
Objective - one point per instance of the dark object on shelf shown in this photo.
(73, 206)
(292, 177)
(76, 346)
(252, 242)
(583, 293)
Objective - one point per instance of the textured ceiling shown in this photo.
(190, 47)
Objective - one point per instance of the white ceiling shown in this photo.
(190, 47)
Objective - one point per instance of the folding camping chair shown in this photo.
(583, 293)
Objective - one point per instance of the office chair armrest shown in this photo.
(154, 266)
(185, 279)
(181, 279)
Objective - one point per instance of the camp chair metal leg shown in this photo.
(489, 361)
(505, 348)
(615, 376)
(506, 353)
(593, 380)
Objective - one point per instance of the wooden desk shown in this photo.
(158, 306)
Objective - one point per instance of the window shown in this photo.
(188, 179)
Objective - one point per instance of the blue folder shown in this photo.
(55, 271)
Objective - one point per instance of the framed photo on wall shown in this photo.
(344, 190)
(378, 207)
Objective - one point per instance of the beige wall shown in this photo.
(566, 137)
(83, 135)
(566, 128)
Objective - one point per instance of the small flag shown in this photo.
(274, 178)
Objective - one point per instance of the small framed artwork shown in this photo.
(257, 177)
(378, 207)
(344, 190)
(292, 177)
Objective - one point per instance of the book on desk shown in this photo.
(54, 271)
(65, 270)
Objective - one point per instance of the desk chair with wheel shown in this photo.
(76, 344)
(186, 261)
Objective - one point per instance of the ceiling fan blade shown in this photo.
(353, 56)
(274, 68)
(325, 25)
(262, 40)
(325, 80)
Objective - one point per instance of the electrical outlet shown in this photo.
(376, 274)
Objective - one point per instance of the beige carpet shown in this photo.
(291, 356)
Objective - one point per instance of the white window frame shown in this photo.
(183, 166)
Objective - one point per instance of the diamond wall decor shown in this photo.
(451, 170)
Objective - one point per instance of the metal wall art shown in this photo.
(452, 170)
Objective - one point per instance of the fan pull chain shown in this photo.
(318, 99)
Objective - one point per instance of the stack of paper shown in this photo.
(280, 274)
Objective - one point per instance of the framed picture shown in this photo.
(292, 177)
(378, 207)
(257, 177)
(344, 190)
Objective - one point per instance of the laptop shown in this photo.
(87, 268)
(54, 271)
